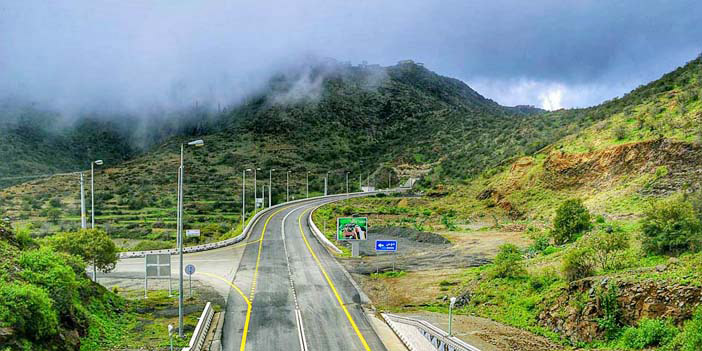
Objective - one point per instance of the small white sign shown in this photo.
(192, 232)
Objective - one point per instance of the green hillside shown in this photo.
(378, 122)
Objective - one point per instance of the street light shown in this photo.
(347, 184)
(308, 184)
(243, 196)
(181, 175)
(83, 224)
(451, 304)
(255, 188)
(287, 186)
(92, 191)
(270, 187)
(326, 181)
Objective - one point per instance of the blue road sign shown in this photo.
(386, 245)
(190, 269)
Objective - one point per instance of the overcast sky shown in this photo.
(130, 54)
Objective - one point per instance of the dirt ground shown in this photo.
(488, 335)
(432, 264)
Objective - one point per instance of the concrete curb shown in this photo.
(231, 241)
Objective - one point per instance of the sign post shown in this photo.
(190, 269)
(389, 246)
(157, 266)
(352, 229)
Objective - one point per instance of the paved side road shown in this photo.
(288, 293)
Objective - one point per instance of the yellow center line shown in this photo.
(253, 283)
(331, 285)
(228, 282)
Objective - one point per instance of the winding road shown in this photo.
(289, 293)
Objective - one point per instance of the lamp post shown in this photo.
(326, 181)
(451, 304)
(243, 196)
(83, 223)
(347, 184)
(181, 175)
(255, 188)
(308, 184)
(92, 191)
(287, 186)
(270, 186)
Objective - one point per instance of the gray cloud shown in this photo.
(167, 54)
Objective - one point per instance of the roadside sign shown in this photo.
(157, 266)
(351, 228)
(192, 232)
(190, 269)
(386, 245)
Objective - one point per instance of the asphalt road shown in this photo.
(288, 293)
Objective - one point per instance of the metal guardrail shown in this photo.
(203, 326)
(437, 337)
(234, 240)
(320, 236)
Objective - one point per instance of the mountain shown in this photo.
(371, 121)
(643, 145)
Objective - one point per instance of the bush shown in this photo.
(650, 332)
(670, 227)
(690, 339)
(610, 321)
(541, 242)
(146, 245)
(605, 244)
(577, 264)
(572, 218)
(28, 309)
(508, 262)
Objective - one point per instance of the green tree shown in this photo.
(572, 218)
(92, 245)
(605, 244)
(670, 227)
(577, 264)
(53, 214)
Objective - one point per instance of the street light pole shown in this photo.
(83, 223)
(326, 177)
(347, 184)
(181, 174)
(308, 184)
(270, 187)
(451, 304)
(92, 191)
(243, 196)
(287, 186)
(255, 188)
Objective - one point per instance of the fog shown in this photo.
(142, 57)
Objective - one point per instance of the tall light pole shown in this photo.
(83, 223)
(270, 187)
(243, 196)
(326, 181)
(181, 175)
(347, 184)
(360, 182)
(255, 188)
(92, 191)
(451, 304)
(308, 184)
(287, 186)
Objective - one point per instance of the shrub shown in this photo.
(690, 339)
(650, 332)
(670, 227)
(605, 244)
(572, 218)
(541, 242)
(146, 245)
(620, 132)
(28, 309)
(508, 262)
(610, 321)
(577, 264)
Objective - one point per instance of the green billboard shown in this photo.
(348, 228)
